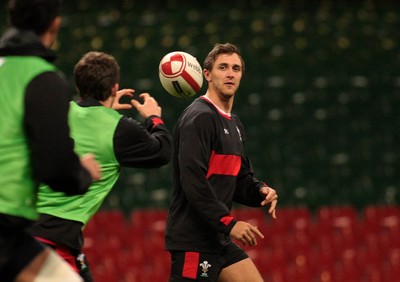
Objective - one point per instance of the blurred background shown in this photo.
(319, 98)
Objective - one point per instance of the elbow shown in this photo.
(165, 155)
(166, 158)
(161, 160)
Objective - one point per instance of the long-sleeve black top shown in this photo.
(210, 172)
(46, 108)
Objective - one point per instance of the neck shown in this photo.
(225, 103)
(108, 103)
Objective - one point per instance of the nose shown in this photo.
(230, 73)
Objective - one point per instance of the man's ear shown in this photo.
(55, 25)
(50, 35)
(206, 74)
(114, 89)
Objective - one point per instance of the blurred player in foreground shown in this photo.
(210, 172)
(116, 140)
(35, 145)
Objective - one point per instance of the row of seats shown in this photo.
(334, 243)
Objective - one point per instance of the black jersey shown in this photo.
(210, 172)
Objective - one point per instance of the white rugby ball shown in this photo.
(180, 74)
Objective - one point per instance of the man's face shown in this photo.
(225, 76)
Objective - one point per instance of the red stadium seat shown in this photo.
(330, 213)
(376, 212)
(292, 219)
(149, 220)
(383, 218)
(342, 221)
(109, 218)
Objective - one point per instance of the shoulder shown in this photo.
(199, 113)
(199, 109)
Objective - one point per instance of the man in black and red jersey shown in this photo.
(210, 173)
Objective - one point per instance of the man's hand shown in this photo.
(89, 162)
(149, 107)
(270, 198)
(123, 92)
(245, 233)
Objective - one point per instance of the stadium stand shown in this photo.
(336, 243)
(319, 98)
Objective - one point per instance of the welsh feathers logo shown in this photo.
(204, 268)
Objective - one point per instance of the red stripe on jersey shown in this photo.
(226, 219)
(157, 121)
(187, 77)
(190, 265)
(224, 164)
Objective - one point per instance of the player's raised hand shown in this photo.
(271, 197)
(123, 92)
(149, 107)
(246, 233)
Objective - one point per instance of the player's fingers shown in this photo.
(273, 205)
(123, 107)
(271, 194)
(145, 96)
(247, 239)
(269, 199)
(135, 103)
(251, 238)
(125, 92)
(256, 231)
(272, 209)
(273, 214)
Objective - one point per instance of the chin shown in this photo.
(228, 96)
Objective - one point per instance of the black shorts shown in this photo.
(194, 266)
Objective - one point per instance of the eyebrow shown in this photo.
(226, 64)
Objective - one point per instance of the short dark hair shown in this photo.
(226, 48)
(35, 15)
(95, 75)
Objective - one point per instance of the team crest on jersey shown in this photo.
(226, 131)
(204, 268)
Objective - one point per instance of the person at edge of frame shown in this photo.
(35, 145)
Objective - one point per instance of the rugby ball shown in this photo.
(180, 74)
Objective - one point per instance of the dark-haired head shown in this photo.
(35, 15)
(227, 48)
(96, 74)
